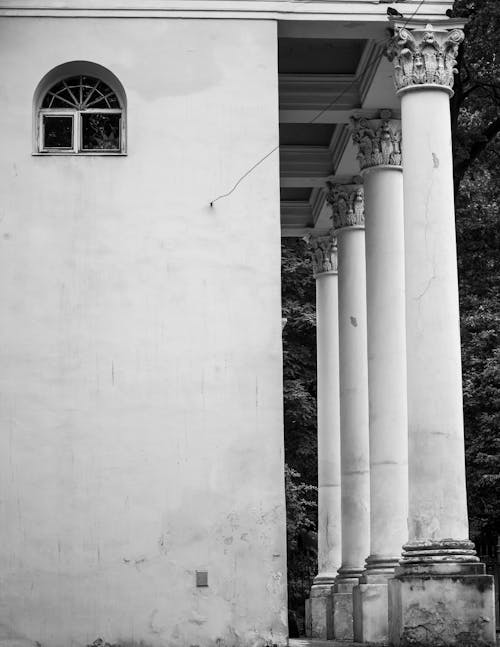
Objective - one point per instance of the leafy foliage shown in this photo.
(299, 392)
(299, 360)
(478, 239)
(302, 553)
(475, 110)
(475, 106)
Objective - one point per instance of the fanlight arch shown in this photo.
(79, 108)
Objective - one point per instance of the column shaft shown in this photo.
(438, 504)
(329, 515)
(383, 186)
(353, 402)
(386, 365)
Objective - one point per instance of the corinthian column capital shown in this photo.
(348, 205)
(323, 250)
(424, 54)
(378, 140)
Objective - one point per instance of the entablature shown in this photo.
(283, 10)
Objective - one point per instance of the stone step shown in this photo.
(309, 642)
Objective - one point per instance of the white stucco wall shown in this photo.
(140, 345)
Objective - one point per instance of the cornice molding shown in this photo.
(367, 67)
(323, 251)
(424, 53)
(360, 10)
(378, 141)
(338, 144)
(348, 205)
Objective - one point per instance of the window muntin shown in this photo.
(88, 108)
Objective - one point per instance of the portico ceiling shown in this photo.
(328, 72)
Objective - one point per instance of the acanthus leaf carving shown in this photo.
(378, 141)
(348, 205)
(424, 55)
(323, 250)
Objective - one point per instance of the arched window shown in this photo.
(80, 114)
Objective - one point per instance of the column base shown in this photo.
(434, 601)
(321, 612)
(343, 628)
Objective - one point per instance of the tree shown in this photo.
(478, 239)
(299, 393)
(475, 105)
(475, 112)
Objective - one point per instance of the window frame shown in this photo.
(41, 130)
(58, 75)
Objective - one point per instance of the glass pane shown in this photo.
(89, 85)
(58, 132)
(62, 100)
(101, 131)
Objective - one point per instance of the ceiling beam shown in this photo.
(335, 30)
(312, 161)
(318, 91)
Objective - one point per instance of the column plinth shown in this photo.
(324, 256)
(439, 593)
(347, 203)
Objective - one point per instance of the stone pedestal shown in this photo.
(445, 609)
(321, 612)
(308, 619)
(343, 608)
(440, 595)
(370, 613)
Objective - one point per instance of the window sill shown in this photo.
(71, 154)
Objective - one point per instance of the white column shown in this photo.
(348, 220)
(324, 256)
(379, 154)
(460, 599)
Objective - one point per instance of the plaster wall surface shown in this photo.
(140, 382)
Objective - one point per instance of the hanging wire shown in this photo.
(317, 116)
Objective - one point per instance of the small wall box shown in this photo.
(201, 578)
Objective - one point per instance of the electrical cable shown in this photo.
(321, 112)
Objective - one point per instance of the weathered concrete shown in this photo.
(442, 611)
